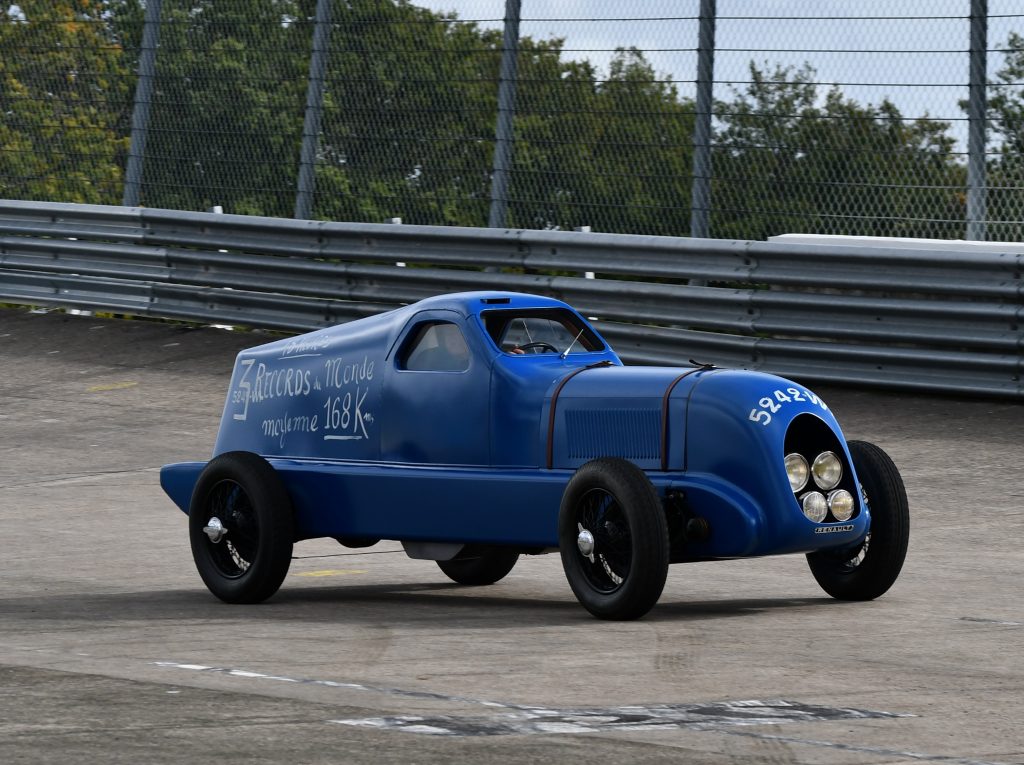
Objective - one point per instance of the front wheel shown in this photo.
(480, 564)
(870, 569)
(241, 528)
(613, 539)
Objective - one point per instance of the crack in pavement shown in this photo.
(532, 718)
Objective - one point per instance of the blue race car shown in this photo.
(477, 427)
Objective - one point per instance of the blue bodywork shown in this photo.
(370, 449)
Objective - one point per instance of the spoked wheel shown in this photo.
(867, 571)
(613, 539)
(604, 541)
(480, 564)
(241, 528)
(229, 507)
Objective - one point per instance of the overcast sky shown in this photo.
(918, 60)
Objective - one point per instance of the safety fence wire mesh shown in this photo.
(826, 116)
(842, 118)
(409, 113)
(1005, 109)
(227, 106)
(66, 94)
(604, 116)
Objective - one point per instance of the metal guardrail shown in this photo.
(886, 316)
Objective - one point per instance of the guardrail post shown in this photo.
(506, 113)
(141, 107)
(700, 198)
(977, 211)
(314, 111)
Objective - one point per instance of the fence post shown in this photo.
(314, 111)
(143, 101)
(506, 113)
(977, 203)
(700, 197)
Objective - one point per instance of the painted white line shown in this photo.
(243, 673)
(343, 438)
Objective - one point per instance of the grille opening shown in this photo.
(809, 436)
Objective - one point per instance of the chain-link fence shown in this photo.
(734, 118)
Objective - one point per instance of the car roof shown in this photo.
(465, 304)
(471, 303)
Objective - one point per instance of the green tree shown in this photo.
(228, 105)
(410, 122)
(65, 102)
(612, 153)
(1006, 166)
(790, 161)
(409, 114)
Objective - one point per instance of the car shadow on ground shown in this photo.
(407, 604)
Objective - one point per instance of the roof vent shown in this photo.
(495, 301)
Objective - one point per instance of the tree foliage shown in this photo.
(408, 116)
(614, 153)
(228, 105)
(1005, 168)
(409, 126)
(65, 102)
(789, 160)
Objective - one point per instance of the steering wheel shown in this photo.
(545, 347)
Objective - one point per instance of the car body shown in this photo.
(458, 424)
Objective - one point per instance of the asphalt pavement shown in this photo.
(112, 650)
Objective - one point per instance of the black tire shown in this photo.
(251, 559)
(480, 564)
(870, 569)
(624, 574)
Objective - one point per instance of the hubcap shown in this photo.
(215, 530)
(585, 543)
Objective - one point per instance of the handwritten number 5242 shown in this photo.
(769, 405)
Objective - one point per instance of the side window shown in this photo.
(436, 346)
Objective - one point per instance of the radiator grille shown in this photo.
(629, 433)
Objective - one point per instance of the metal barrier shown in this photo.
(910, 318)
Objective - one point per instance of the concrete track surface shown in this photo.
(111, 649)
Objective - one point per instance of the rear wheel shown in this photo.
(613, 539)
(870, 569)
(480, 564)
(241, 528)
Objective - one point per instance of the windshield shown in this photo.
(540, 330)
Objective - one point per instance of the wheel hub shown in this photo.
(585, 543)
(215, 530)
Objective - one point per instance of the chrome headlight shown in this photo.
(840, 502)
(797, 470)
(827, 470)
(815, 506)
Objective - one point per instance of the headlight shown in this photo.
(797, 470)
(827, 470)
(840, 502)
(815, 506)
